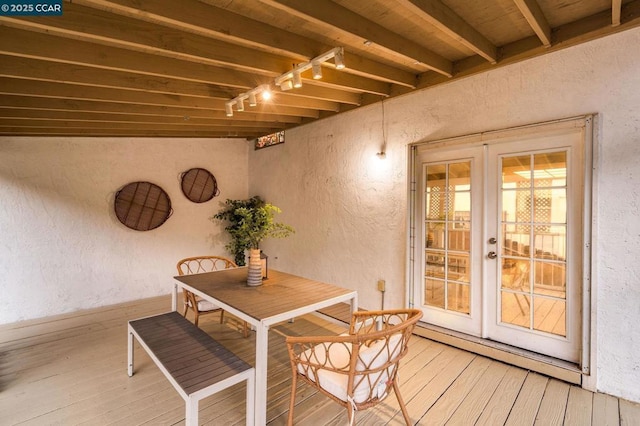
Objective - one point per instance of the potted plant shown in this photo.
(249, 222)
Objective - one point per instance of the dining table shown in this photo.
(281, 297)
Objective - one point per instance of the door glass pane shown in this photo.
(515, 239)
(515, 274)
(459, 236)
(550, 205)
(551, 168)
(434, 294)
(534, 209)
(516, 172)
(448, 240)
(458, 297)
(458, 268)
(435, 235)
(515, 308)
(550, 279)
(435, 262)
(460, 174)
(436, 192)
(550, 315)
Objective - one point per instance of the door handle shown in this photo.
(492, 255)
(492, 241)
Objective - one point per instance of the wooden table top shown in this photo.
(278, 294)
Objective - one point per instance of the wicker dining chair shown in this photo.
(357, 369)
(198, 265)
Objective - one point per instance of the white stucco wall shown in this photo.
(62, 247)
(350, 216)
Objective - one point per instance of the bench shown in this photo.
(196, 365)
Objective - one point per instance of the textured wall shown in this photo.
(62, 247)
(350, 215)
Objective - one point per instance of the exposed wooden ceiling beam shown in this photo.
(20, 102)
(447, 21)
(327, 13)
(39, 114)
(75, 124)
(93, 132)
(531, 11)
(616, 9)
(199, 18)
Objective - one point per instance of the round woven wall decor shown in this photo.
(199, 185)
(142, 206)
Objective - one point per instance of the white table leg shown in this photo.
(354, 304)
(262, 354)
(129, 352)
(174, 298)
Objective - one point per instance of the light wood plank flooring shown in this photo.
(71, 370)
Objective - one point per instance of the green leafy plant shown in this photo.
(249, 222)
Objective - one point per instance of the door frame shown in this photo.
(590, 123)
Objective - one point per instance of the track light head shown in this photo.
(252, 99)
(297, 80)
(240, 103)
(228, 107)
(286, 85)
(316, 70)
(338, 58)
(266, 94)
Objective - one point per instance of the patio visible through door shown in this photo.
(498, 237)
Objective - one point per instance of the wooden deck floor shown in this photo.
(71, 370)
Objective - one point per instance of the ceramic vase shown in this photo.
(254, 277)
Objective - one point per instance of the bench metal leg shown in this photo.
(174, 298)
(130, 352)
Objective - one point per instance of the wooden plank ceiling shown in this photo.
(166, 68)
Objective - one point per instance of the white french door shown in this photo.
(498, 241)
(450, 218)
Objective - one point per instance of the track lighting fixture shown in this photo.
(289, 80)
